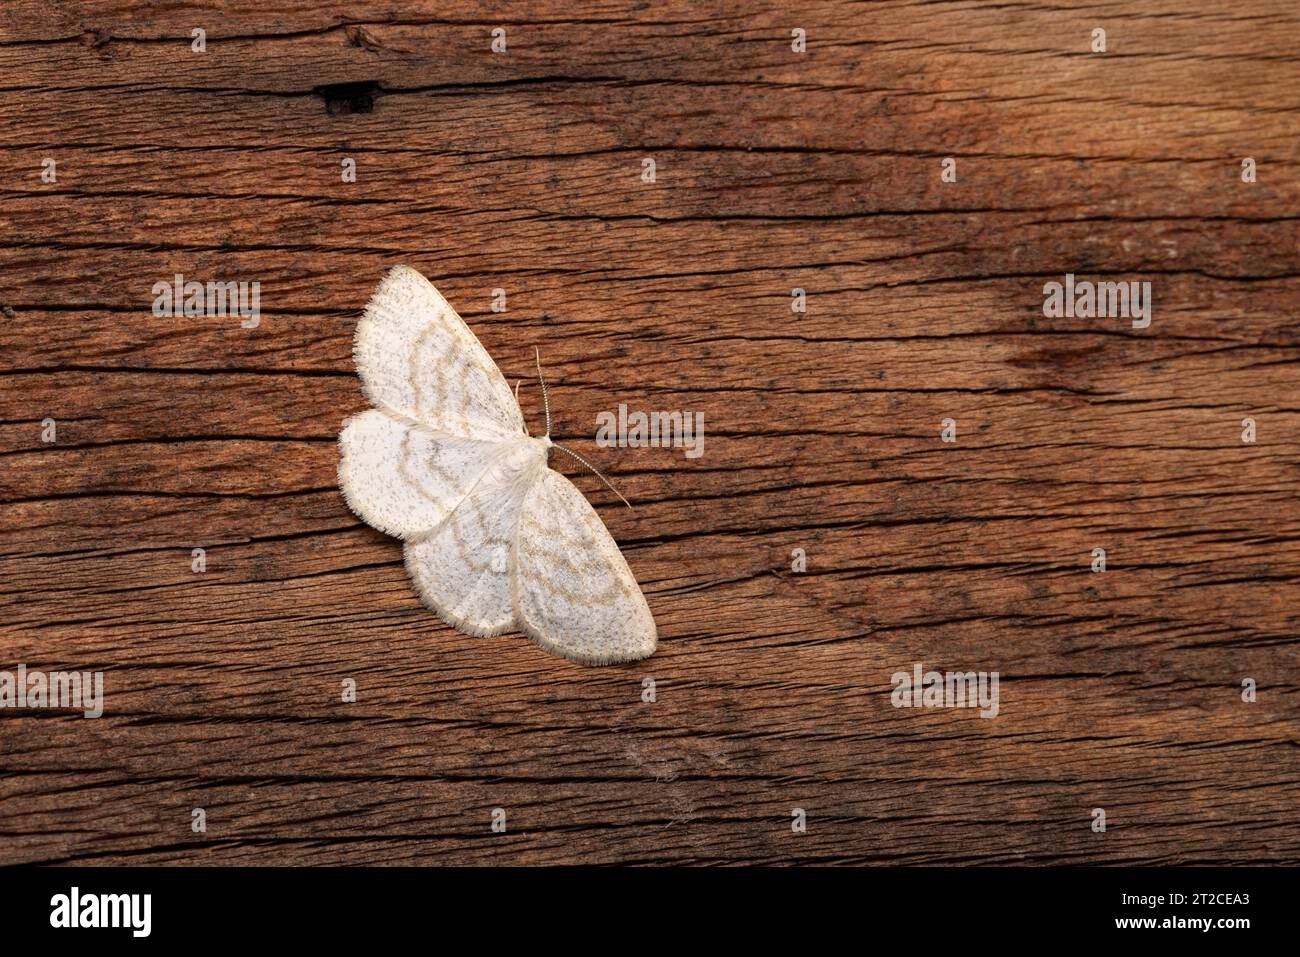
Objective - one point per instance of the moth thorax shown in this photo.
(520, 460)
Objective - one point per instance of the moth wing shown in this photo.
(573, 592)
(416, 357)
(462, 569)
(405, 479)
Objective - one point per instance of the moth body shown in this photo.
(495, 540)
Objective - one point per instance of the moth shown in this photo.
(494, 539)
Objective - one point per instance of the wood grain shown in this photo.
(775, 170)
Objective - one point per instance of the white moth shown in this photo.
(495, 540)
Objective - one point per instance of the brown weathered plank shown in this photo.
(775, 170)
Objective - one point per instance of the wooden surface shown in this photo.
(775, 170)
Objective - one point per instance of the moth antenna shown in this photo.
(599, 474)
(546, 404)
(519, 382)
(546, 398)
